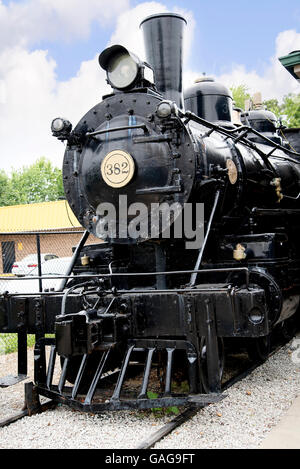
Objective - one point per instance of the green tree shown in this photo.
(273, 106)
(4, 188)
(39, 182)
(239, 95)
(288, 110)
(291, 110)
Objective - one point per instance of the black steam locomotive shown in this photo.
(198, 227)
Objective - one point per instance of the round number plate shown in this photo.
(117, 168)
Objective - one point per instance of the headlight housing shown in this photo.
(58, 124)
(166, 109)
(124, 69)
(61, 128)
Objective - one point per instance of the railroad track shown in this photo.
(34, 407)
(26, 413)
(192, 410)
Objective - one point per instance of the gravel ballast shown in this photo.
(242, 420)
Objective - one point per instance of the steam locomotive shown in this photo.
(198, 226)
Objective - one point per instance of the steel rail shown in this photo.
(166, 429)
(26, 413)
(192, 409)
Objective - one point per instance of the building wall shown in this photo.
(54, 243)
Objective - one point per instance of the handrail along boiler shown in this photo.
(148, 303)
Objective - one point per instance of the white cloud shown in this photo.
(32, 97)
(129, 34)
(31, 94)
(275, 82)
(127, 30)
(287, 41)
(28, 81)
(29, 21)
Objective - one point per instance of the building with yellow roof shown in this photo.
(59, 231)
(43, 216)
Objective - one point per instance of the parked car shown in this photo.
(53, 267)
(26, 265)
(57, 266)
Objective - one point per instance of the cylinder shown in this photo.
(163, 37)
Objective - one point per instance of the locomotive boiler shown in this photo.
(198, 227)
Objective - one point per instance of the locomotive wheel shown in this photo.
(203, 363)
(289, 328)
(259, 348)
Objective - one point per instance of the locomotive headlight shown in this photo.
(57, 125)
(61, 128)
(122, 71)
(164, 109)
(122, 67)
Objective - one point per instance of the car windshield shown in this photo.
(34, 258)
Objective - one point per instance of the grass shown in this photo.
(159, 411)
(9, 342)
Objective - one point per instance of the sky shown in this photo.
(49, 57)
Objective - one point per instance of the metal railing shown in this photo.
(16, 275)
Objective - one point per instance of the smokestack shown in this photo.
(163, 37)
